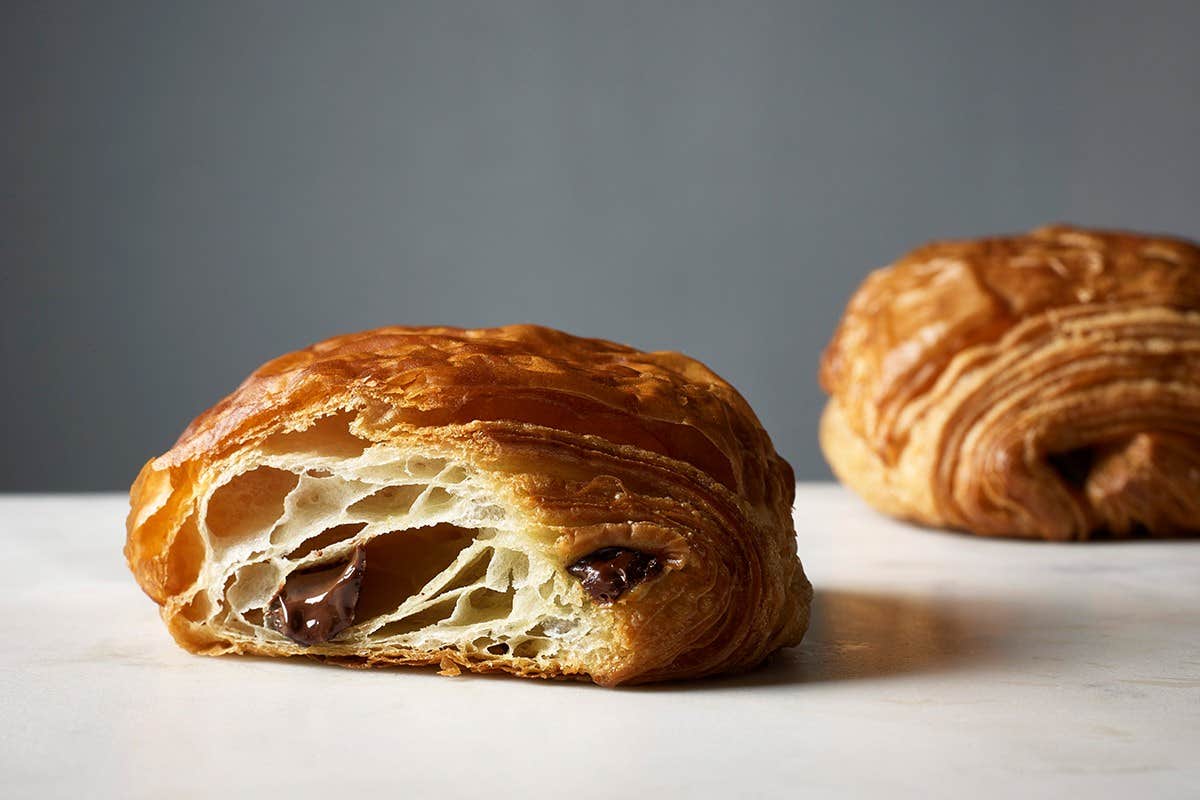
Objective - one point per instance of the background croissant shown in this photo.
(1045, 385)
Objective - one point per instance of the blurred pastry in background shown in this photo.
(1042, 386)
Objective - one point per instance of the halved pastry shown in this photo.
(1041, 386)
(512, 499)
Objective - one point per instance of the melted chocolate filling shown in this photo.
(317, 604)
(610, 572)
(1073, 466)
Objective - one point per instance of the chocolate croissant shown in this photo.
(1040, 386)
(514, 499)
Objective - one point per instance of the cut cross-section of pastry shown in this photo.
(511, 499)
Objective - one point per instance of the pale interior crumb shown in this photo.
(448, 566)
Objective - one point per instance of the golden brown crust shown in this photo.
(1044, 385)
(608, 444)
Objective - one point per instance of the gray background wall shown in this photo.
(190, 189)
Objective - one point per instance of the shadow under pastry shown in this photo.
(859, 634)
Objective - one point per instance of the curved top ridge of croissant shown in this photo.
(1045, 385)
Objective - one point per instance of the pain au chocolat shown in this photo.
(514, 499)
(1040, 386)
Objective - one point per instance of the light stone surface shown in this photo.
(937, 666)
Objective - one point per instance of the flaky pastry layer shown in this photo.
(1044, 386)
(479, 475)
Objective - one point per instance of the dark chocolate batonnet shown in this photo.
(610, 572)
(317, 604)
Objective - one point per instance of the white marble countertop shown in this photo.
(937, 666)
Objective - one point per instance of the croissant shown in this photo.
(1040, 386)
(514, 499)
